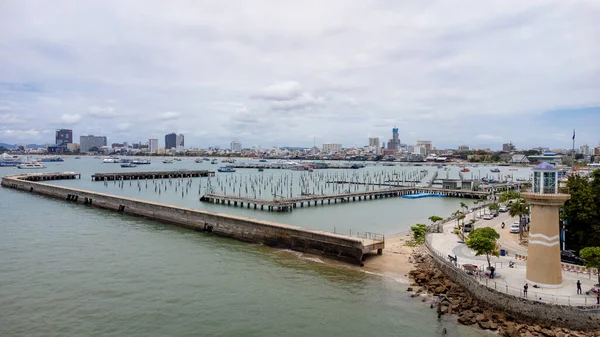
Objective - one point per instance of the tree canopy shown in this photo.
(591, 258)
(519, 208)
(581, 214)
(419, 231)
(483, 242)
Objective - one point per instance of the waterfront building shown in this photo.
(543, 256)
(332, 148)
(63, 137)
(374, 142)
(152, 145)
(394, 143)
(236, 146)
(73, 147)
(180, 142)
(426, 144)
(508, 147)
(170, 141)
(90, 142)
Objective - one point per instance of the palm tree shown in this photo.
(456, 214)
(519, 208)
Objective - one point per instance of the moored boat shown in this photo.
(465, 170)
(131, 164)
(214, 161)
(141, 161)
(31, 165)
(9, 160)
(495, 170)
(226, 169)
(168, 161)
(51, 160)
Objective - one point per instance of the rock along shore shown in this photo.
(452, 298)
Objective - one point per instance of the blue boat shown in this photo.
(263, 160)
(226, 169)
(52, 160)
(423, 195)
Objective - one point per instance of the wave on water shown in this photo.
(301, 256)
(397, 279)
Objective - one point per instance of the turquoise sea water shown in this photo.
(67, 270)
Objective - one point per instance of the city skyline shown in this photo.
(483, 77)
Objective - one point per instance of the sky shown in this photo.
(294, 73)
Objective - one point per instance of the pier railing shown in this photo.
(479, 279)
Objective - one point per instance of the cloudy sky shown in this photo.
(276, 73)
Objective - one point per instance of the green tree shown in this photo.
(494, 206)
(591, 258)
(483, 242)
(509, 195)
(519, 208)
(581, 213)
(419, 232)
(434, 219)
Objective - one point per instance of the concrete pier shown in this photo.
(288, 204)
(151, 175)
(343, 247)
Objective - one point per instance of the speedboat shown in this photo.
(197, 160)
(110, 160)
(214, 161)
(168, 161)
(263, 160)
(52, 160)
(226, 169)
(141, 161)
(495, 170)
(31, 165)
(128, 165)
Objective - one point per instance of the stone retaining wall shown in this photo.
(520, 308)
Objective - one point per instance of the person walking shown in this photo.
(598, 297)
(578, 287)
(525, 287)
(492, 270)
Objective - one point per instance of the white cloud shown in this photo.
(169, 115)
(439, 70)
(9, 119)
(5, 108)
(124, 126)
(487, 137)
(102, 112)
(20, 134)
(68, 119)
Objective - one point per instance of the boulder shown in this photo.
(409, 289)
(467, 318)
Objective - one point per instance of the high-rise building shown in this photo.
(508, 147)
(425, 144)
(394, 143)
(179, 142)
(64, 137)
(374, 141)
(89, 142)
(463, 148)
(152, 145)
(170, 141)
(236, 146)
(332, 148)
(585, 150)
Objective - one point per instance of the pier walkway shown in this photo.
(152, 175)
(288, 204)
(340, 246)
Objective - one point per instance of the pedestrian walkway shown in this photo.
(510, 280)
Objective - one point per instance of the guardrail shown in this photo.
(472, 282)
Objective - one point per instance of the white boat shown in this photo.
(31, 165)
(9, 160)
(111, 160)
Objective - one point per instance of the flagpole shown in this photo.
(573, 151)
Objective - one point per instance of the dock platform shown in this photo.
(151, 175)
(50, 176)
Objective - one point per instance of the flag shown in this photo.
(573, 134)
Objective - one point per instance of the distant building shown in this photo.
(519, 159)
(585, 150)
(236, 146)
(394, 143)
(152, 145)
(73, 147)
(179, 142)
(89, 142)
(332, 148)
(374, 141)
(425, 144)
(170, 141)
(64, 137)
(508, 147)
(463, 148)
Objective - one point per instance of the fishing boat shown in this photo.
(177, 159)
(214, 161)
(206, 159)
(31, 165)
(128, 165)
(168, 161)
(226, 169)
(263, 160)
(197, 160)
(260, 169)
(465, 170)
(495, 170)
(141, 161)
(52, 160)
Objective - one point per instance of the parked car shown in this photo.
(488, 217)
(467, 228)
(494, 213)
(514, 228)
(503, 209)
(569, 256)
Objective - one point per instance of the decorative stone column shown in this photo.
(543, 257)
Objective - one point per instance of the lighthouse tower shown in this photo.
(543, 257)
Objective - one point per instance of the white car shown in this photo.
(514, 228)
(488, 217)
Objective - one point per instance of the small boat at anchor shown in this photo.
(128, 165)
(465, 170)
(495, 170)
(31, 165)
(226, 169)
(167, 161)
